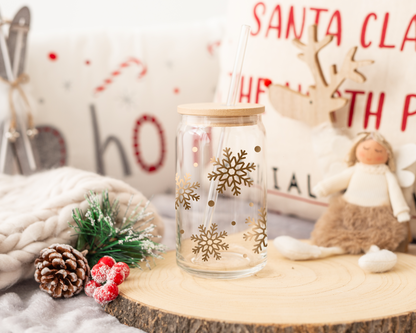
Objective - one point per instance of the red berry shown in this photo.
(53, 56)
(125, 267)
(106, 293)
(99, 272)
(90, 288)
(267, 82)
(116, 275)
(107, 260)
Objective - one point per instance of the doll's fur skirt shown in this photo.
(355, 228)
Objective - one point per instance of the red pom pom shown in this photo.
(116, 275)
(125, 267)
(107, 260)
(99, 272)
(106, 293)
(267, 82)
(53, 56)
(90, 288)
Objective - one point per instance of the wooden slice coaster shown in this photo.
(327, 295)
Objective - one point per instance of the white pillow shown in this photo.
(383, 31)
(96, 85)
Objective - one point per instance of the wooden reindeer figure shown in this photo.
(316, 108)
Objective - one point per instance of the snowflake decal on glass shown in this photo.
(258, 233)
(210, 242)
(232, 171)
(185, 192)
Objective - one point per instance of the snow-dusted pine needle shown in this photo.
(102, 232)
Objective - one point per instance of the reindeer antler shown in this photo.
(310, 56)
(310, 53)
(348, 71)
(317, 107)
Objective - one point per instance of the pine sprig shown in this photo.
(101, 232)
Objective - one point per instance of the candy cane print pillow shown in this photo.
(112, 95)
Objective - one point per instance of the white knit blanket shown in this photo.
(26, 309)
(35, 211)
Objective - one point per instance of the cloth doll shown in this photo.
(367, 217)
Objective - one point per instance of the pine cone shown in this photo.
(62, 271)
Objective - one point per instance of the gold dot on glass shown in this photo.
(257, 149)
(182, 232)
(244, 255)
(211, 203)
(251, 204)
(233, 223)
(195, 149)
(195, 164)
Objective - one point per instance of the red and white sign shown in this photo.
(384, 31)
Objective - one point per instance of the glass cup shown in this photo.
(221, 192)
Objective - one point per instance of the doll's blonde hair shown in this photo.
(376, 136)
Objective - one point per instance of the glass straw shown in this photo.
(238, 65)
(231, 99)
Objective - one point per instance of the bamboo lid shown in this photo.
(220, 110)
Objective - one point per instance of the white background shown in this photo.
(82, 14)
